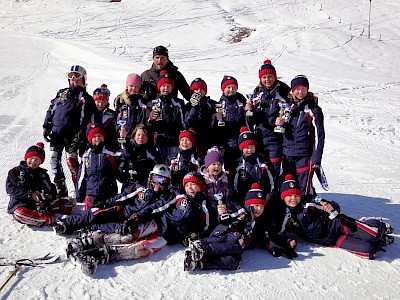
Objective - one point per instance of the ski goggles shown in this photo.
(74, 75)
(158, 179)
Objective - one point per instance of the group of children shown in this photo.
(216, 176)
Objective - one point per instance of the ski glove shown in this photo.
(47, 134)
(129, 226)
(287, 252)
(195, 99)
(190, 238)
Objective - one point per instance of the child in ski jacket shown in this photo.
(186, 160)
(217, 184)
(166, 118)
(251, 169)
(111, 213)
(228, 120)
(138, 158)
(200, 113)
(131, 107)
(304, 137)
(68, 114)
(98, 172)
(33, 198)
(323, 224)
(243, 228)
(268, 100)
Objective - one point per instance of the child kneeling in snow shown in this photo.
(322, 223)
(33, 198)
(249, 227)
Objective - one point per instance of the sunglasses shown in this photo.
(74, 75)
(161, 180)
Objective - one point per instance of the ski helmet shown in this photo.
(162, 170)
(80, 70)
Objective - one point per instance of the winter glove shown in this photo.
(195, 99)
(76, 144)
(154, 114)
(193, 236)
(129, 226)
(47, 134)
(43, 206)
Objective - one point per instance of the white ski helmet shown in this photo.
(80, 70)
(162, 170)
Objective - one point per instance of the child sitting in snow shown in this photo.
(247, 227)
(322, 223)
(33, 198)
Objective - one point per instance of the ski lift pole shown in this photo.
(369, 19)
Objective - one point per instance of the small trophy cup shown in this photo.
(218, 197)
(249, 113)
(280, 128)
(121, 139)
(157, 108)
(222, 110)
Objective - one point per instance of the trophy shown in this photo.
(157, 108)
(218, 197)
(222, 110)
(249, 97)
(121, 139)
(280, 128)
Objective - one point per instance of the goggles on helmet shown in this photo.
(74, 75)
(158, 179)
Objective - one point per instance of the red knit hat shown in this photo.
(198, 83)
(93, 129)
(227, 80)
(290, 187)
(101, 93)
(195, 178)
(266, 68)
(36, 150)
(255, 196)
(164, 79)
(246, 138)
(190, 134)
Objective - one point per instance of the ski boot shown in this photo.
(87, 263)
(74, 246)
(387, 240)
(389, 228)
(189, 263)
(196, 250)
(60, 228)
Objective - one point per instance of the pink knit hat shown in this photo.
(133, 79)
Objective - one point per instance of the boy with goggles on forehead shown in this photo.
(112, 212)
(67, 115)
(168, 221)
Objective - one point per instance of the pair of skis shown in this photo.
(25, 262)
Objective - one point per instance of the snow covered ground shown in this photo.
(357, 81)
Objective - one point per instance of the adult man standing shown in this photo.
(150, 77)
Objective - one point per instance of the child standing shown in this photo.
(251, 169)
(216, 180)
(322, 223)
(131, 107)
(33, 198)
(166, 118)
(268, 99)
(67, 115)
(98, 171)
(228, 120)
(186, 160)
(304, 138)
(200, 112)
